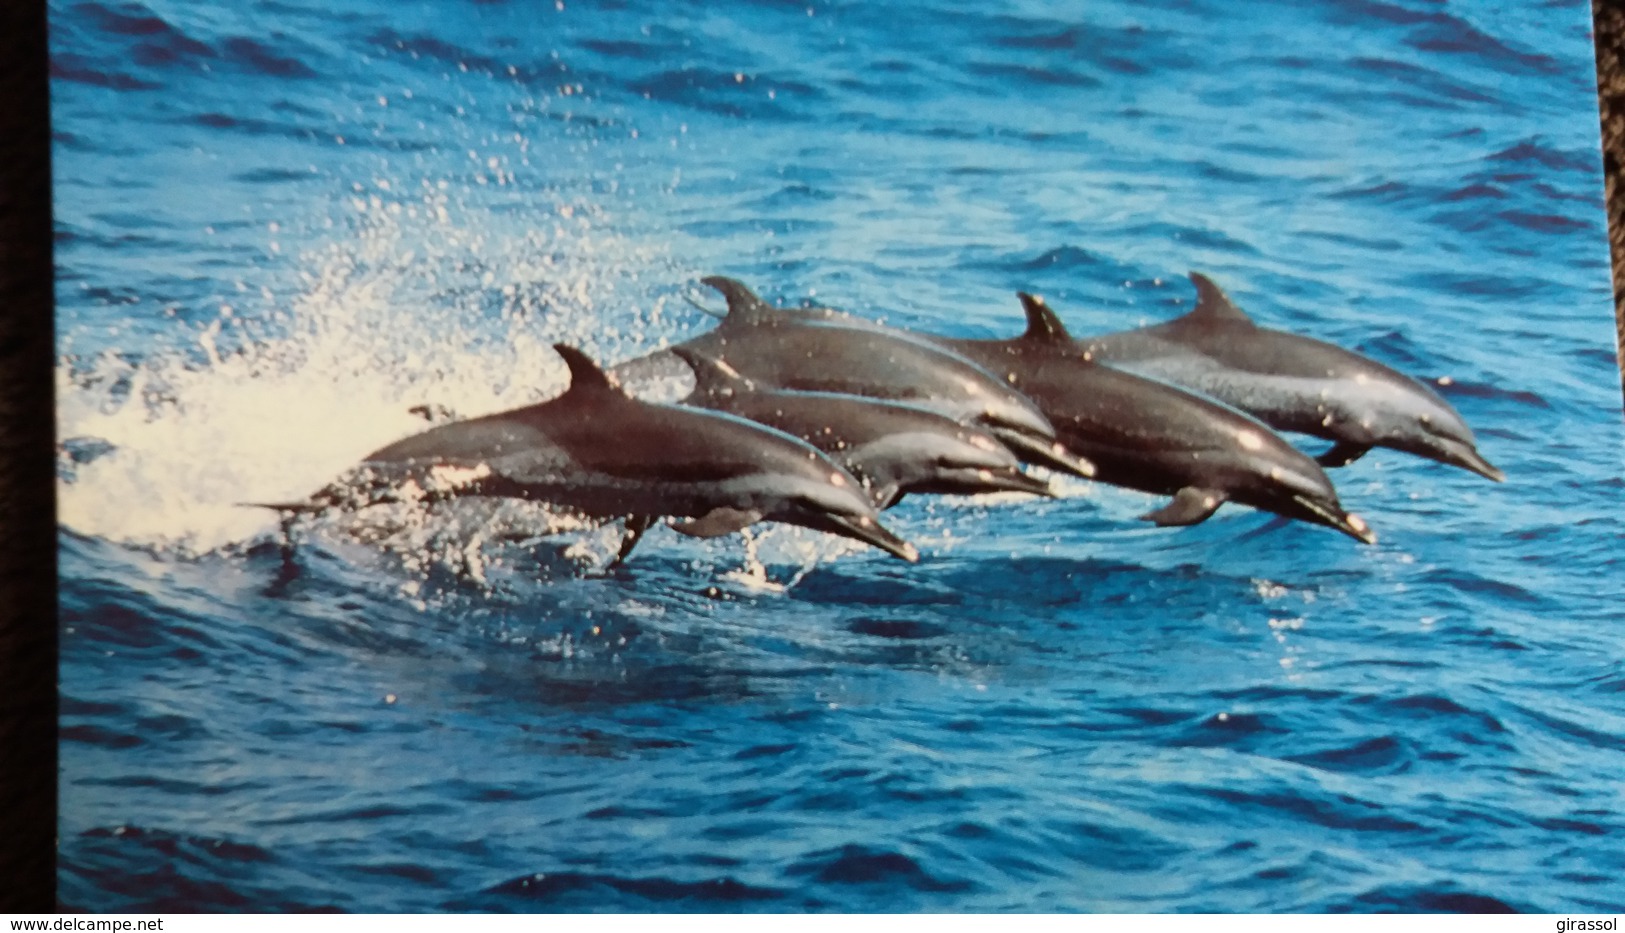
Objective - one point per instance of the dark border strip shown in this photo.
(1609, 20)
(28, 632)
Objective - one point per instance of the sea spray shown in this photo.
(279, 394)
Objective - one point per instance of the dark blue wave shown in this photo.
(1028, 75)
(730, 93)
(865, 865)
(81, 70)
(1410, 75)
(575, 891)
(1537, 151)
(135, 33)
(1441, 32)
(1439, 898)
(1381, 755)
(142, 870)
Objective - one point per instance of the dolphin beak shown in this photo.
(1027, 422)
(1468, 458)
(1016, 481)
(1045, 452)
(870, 532)
(1352, 525)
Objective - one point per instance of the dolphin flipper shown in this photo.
(718, 522)
(434, 413)
(885, 496)
(288, 509)
(1343, 453)
(1191, 506)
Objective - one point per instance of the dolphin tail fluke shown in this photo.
(1190, 506)
(342, 496)
(288, 508)
(636, 525)
(1343, 453)
(288, 515)
(434, 413)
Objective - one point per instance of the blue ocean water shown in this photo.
(282, 223)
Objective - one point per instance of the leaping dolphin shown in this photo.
(599, 452)
(1158, 438)
(893, 448)
(1295, 383)
(788, 350)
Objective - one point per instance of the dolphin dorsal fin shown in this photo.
(744, 307)
(1212, 304)
(587, 379)
(1042, 324)
(711, 375)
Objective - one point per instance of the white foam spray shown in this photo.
(404, 307)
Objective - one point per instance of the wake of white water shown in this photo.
(277, 396)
